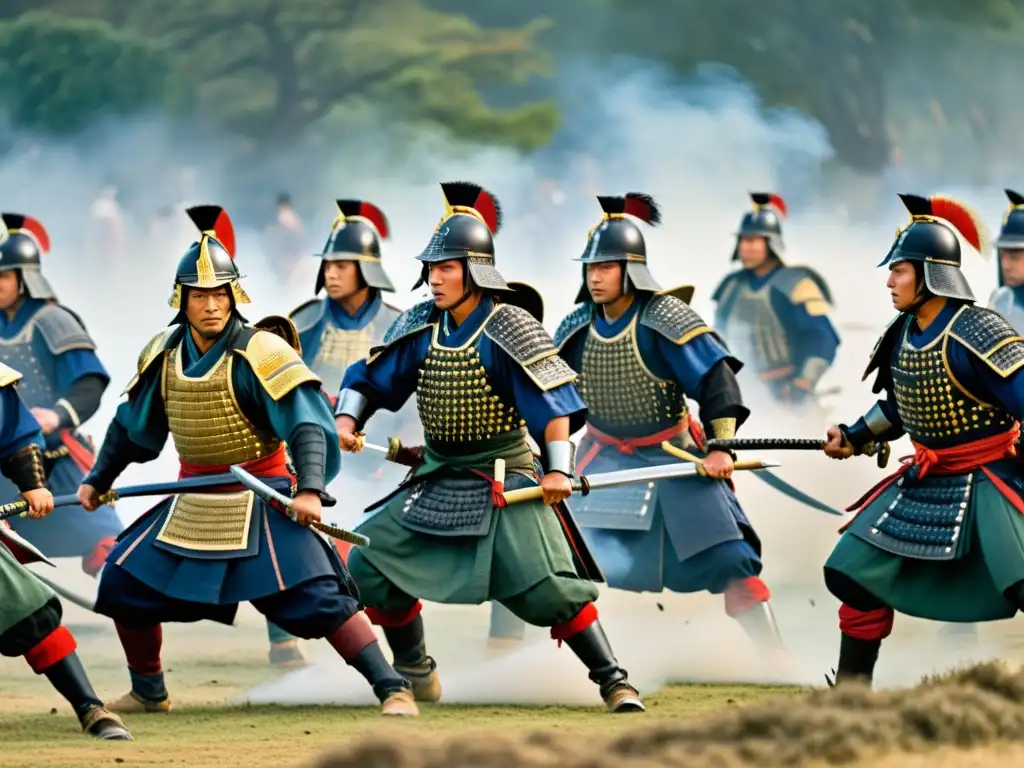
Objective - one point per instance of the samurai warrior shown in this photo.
(941, 538)
(774, 316)
(229, 393)
(1008, 298)
(641, 352)
(341, 328)
(62, 383)
(30, 612)
(485, 374)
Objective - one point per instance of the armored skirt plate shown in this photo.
(989, 560)
(209, 522)
(625, 508)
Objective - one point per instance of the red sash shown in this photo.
(80, 454)
(272, 465)
(958, 460)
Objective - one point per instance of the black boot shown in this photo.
(857, 660)
(409, 649)
(69, 678)
(594, 650)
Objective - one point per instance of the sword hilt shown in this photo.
(13, 509)
(766, 444)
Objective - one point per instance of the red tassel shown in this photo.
(967, 223)
(38, 231)
(225, 232)
(487, 207)
(375, 215)
(778, 204)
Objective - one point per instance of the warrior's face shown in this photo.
(10, 288)
(753, 251)
(341, 279)
(1011, 262)
(447, 283)
(208, 310)
(903, 285)
(604, 281)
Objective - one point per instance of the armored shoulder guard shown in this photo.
(308, 315)
(990, 337)
(276, 363)
(281, 326)
(153, 350)
(524, 339)
(8, 375)
(802, 285)
(673, 319)
(575, 321)
(411, 321)
(61, 329)
(881, 355)
(727, 286)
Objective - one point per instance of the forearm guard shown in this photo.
(308, 448)
(114, 457)
(721, 403)
(560, 456)
(872, 427)
(80, 402)
(25, 468)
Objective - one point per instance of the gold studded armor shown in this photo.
(934, 402)
(754, 331)
(623, 396)
(455, 398)
(204, 418)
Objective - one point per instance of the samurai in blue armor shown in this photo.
(343, 326)
(640, 353)
(228, 393)
(773, 316)
(62, 383)
(1008, 298)
(30, 612)
(942, 538)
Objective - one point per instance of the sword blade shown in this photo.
(648, 474)
(200, 483)
(284, 504)
(776, 482)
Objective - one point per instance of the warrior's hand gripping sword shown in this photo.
(282, 503)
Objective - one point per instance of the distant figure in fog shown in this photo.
(284, 239)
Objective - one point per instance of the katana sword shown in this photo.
(282, 503)
(199, 483)
(879, 447)
(584, 484)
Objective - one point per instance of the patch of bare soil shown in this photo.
(979, 710)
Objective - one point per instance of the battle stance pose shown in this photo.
(941, 538)
(228, 393)
(484, 373)
(63, 381)
(639, 353)
(1008, 298)
(30, 613)
(774, 316)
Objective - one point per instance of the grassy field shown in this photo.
(209, 667)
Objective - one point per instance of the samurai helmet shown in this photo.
(1011, 236)
(472, 217)
(931, 239)
(355, 236)
(765, 220)
(23, 241)
(617, 238)
(210, 261)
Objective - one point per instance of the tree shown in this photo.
(58, 75)
(271, 69)
(830, 59)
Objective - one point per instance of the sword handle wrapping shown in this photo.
(580, 485)
(766, 444)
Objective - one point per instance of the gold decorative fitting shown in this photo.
(724, 428)
(209, 522)
(276, 364)
(8, 375)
